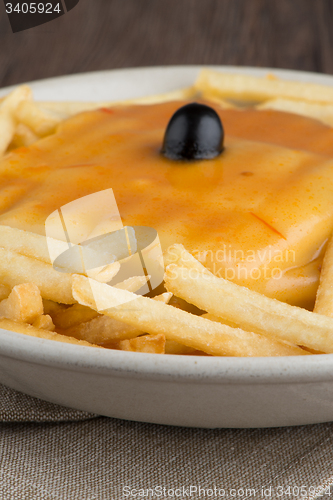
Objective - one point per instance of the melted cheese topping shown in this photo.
(259, 214)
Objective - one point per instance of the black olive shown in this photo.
(195, 132)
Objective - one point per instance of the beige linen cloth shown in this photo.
(54, 453)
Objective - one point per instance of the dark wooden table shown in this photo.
(106, 34)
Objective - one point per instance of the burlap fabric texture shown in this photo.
(53, 453)
(18, 407)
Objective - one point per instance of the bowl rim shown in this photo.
(71, 357)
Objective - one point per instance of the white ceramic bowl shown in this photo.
(173, 390)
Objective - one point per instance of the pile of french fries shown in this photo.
(39, 301)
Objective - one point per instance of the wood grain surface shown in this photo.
(106, 34)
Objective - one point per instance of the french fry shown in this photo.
(51, 307)
(324, 298)
(25, 242)
(23, 137)
(72, 316)
(313, 351)
(11, 101)
(176, 254)
(220, 320)
(193, 331)
(102, 330)
(318, 111)
(173, 95)
(41, 121)
(13, 326)
(133, 283)
(223, 103)
(172, 347)
(77, 314)
(225, 322)
(16, 269)
(4, 292)
(250, 87)
(44, 321)
(35, 246)
(105, 274)
(255, 312)
(184, 305)
(7, 129)
(164, 297)
(72, 108)
(154, 344)
(24, 304)
(99, 329)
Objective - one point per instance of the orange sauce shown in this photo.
(259, 214)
